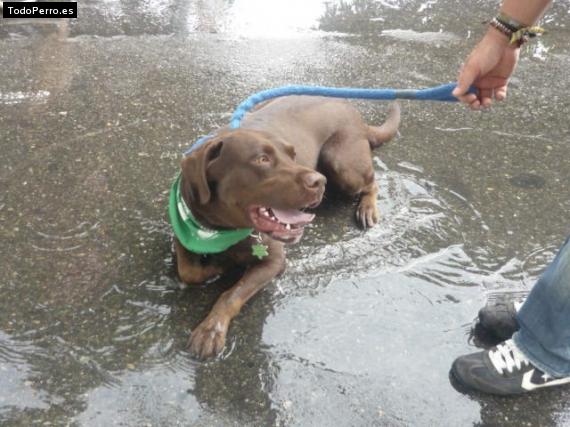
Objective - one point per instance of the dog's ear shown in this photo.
(195, 170)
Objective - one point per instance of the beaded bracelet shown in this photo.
(516, 32)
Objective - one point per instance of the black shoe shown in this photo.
(500, 317)
(502, 370)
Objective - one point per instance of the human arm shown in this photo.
(526, 12)
(494, 59)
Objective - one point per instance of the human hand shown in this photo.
(488, 68)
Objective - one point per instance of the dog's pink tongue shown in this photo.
(292, 216)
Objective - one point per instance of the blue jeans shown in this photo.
(544, 319)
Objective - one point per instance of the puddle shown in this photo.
(422, 37)
(363, 327)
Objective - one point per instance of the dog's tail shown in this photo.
(377, 135)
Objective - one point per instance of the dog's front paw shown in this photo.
(209, 337)
(367, 214)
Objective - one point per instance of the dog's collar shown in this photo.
(194, 236)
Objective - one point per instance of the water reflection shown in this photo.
(411, 20)
(20, 391)
(242, 18)
(368, 17)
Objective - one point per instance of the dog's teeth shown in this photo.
(287, 226)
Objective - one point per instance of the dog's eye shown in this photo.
(263, 159)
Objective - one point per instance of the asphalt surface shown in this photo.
(363, 327)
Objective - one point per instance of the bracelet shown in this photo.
(516, 33)
(502, 28)
(510, 23)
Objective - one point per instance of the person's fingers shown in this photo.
(467, 76)
(486, 97)
(475, 105)
(467, 99)
(501, 93)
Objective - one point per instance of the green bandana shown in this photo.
(195, 237)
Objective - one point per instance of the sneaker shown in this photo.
(500, 317)
(502, 370)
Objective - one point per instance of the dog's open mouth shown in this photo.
(285, 225)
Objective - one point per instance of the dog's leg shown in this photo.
(367, 213)
(190, 270)
(209, 337)
(347, 162)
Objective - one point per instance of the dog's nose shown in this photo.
(314, 180)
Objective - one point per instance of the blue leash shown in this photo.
(437, 93)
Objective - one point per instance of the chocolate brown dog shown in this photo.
(262, 177)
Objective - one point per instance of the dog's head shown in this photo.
(249, 179)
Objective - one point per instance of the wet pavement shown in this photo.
(363, 327)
